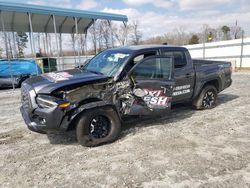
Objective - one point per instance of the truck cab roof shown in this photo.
(148, 47)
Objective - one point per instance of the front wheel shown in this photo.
(98, 126)
(207, 98)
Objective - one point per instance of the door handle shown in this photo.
(165, 89)
(188, 75)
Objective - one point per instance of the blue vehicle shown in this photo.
(16, 71)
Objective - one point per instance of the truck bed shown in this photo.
(208, 62)
(210, 70)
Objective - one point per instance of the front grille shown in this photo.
(25, 99)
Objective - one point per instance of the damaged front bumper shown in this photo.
(31, 125)
(41, 119)
(44, 120)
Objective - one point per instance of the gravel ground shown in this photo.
(187, 148)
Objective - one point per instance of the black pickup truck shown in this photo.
(136, 80)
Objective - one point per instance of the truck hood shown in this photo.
(49, 82)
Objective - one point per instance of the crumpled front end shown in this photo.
(39, 118)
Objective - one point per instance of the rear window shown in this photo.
(179, 58)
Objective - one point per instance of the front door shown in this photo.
(152, 85)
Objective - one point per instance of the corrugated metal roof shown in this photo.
(16, 18)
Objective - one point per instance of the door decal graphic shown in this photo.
(156, 99)
(180, 90)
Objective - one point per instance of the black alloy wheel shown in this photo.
(208, 99)
(100, 127)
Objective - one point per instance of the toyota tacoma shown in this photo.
(119, 82)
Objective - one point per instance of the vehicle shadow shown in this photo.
(225, 98)
(177, 113)
(65, 138)
(130, 125)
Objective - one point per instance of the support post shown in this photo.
(85, 43)
(32, 41)
(44, 45)
(204, 46)
(47, 49)
(10, 45)
(94, 27)
(39, 42)
(125, 33)
(47, 44)
(77, 41)
(57, 48)
(241, 50)
(15, 54)
(111, 33)
(81, 44)
(74, 46)
(61, 51)
(50, 45)
(31, 45)
(7, 49)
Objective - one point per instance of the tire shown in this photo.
(98, 126)
(207, 98)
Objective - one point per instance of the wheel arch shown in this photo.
(88, 104)
(216, 82)
(197, 102)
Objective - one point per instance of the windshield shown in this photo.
(107, 62)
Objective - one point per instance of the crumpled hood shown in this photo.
(49, 82)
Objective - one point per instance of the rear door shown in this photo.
(152, 85)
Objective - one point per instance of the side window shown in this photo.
(140, 57)
(153, 68)
(137, 59)
(179, 58)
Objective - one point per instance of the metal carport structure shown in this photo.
(17, 17)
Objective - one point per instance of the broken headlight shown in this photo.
(46, 101)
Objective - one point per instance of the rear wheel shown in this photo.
(98, 126)
(207, 98)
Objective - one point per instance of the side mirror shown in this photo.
(83, 64)
(139, 92)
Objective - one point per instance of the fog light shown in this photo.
(42, 121)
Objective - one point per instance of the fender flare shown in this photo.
(205, 82)
(74, 114)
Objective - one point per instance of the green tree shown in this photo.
(194, 39)
(226, 31)
(21, 39)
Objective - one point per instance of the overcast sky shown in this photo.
(160, 16)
